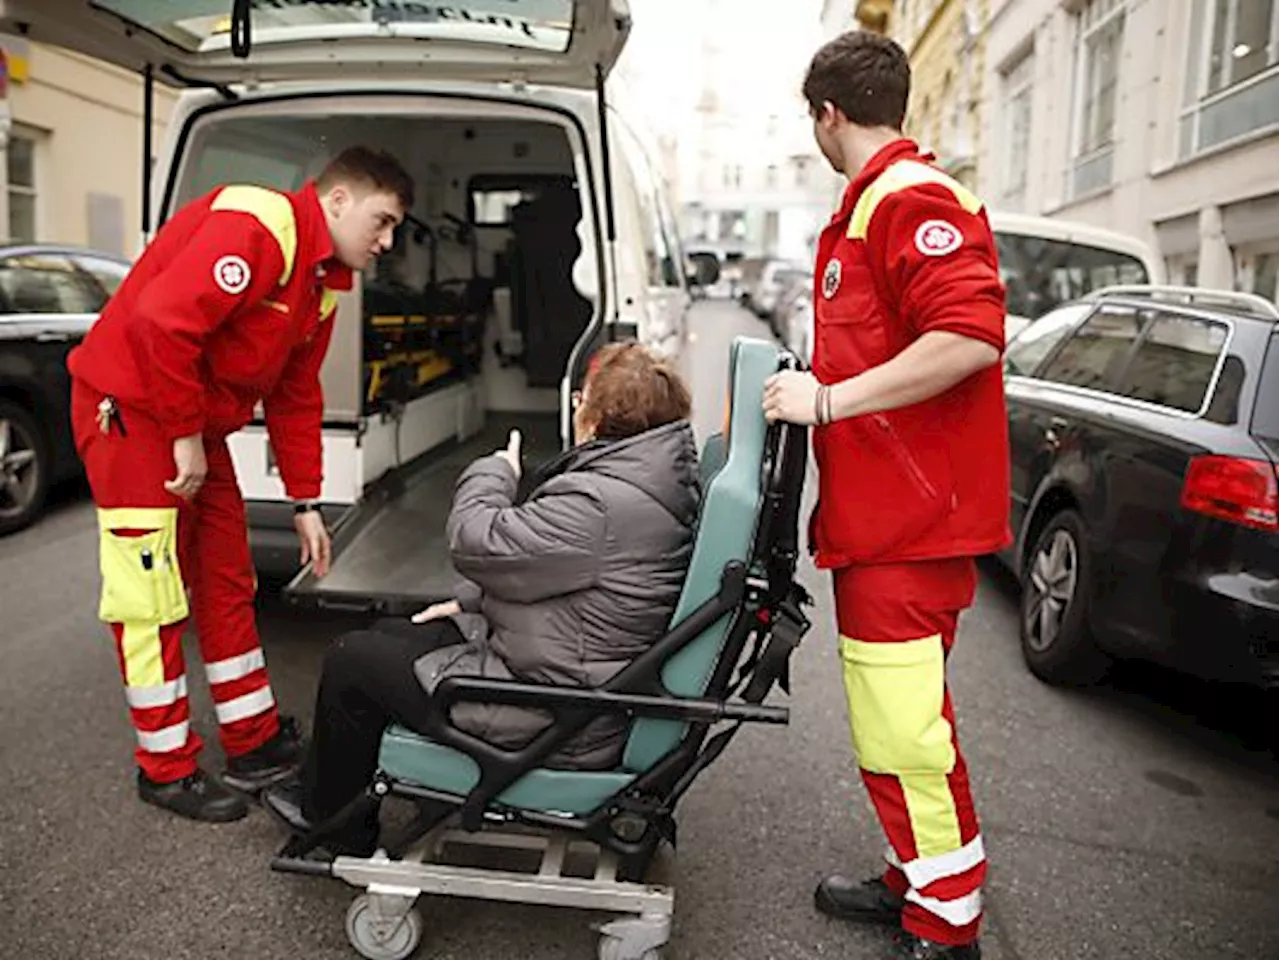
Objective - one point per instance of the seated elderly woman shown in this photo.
(564, 587)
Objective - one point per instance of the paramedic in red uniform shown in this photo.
(232, 303)
(912, 453)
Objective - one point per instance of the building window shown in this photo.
(1016, 93)
(771, 177)
(1233, 82)
(21, 156)
(1101, 33)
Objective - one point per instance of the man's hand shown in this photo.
(438, 611)
(790, 396)
(188, 458)
(512, 452)
(314, 537)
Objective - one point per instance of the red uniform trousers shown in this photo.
(897, 624)
(163, 558)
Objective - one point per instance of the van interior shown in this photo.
(463, 331)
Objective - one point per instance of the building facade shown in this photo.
(946, 43)
(71, 148)
(1154, 117)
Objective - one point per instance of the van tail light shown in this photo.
(1234, 489)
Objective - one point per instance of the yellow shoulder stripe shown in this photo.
(903, 175)
(273, 210)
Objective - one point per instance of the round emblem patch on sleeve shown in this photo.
(831, 278)
(937, 238)
(231, 273)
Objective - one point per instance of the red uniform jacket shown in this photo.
(230, 304)
(909, 251)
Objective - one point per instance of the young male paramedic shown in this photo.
(232, 303)
(912, 453)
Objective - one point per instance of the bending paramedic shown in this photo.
(232, 303)
(913, 475)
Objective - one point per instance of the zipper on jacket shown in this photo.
(904, 456)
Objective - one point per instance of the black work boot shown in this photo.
(273, 761)
(197, 797)
(870, 901)
(911, 947)
(285, 801)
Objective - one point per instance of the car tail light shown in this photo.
(1231, 488)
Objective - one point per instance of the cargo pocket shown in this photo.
(895, 692)
(141, 579)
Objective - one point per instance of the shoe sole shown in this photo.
(888, 918)
(230, 816)
(253, 785)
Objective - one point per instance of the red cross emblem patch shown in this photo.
(937, 238)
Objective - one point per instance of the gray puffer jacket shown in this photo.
(571, 584)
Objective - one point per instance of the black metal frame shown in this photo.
(764, 601)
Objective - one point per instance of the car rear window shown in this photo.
(1265, 412)
(1175, 362)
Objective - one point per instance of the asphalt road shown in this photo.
(1136, 820)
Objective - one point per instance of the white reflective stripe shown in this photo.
(165, 740)
(959, 912)
(164, 695)
(926, 870)
(233, 668)
(250, 705)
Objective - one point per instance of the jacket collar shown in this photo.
(883, 158)
(315, 244)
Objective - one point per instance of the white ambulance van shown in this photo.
(540, 231)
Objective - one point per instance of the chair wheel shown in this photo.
(377, 937)
(614, 948)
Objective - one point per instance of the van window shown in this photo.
(1095, 355)
(1175, 362)
(494, 197)
(1041, 274)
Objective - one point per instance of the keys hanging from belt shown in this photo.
(108, 413)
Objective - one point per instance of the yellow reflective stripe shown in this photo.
(895, 691)
(329, 303)
(935, 824)
(273, 210)
(143, 662)
(904, 175)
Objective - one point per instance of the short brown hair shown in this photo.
(374, 169)
(864, 74)
(631, 390)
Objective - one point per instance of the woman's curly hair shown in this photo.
(631, 390)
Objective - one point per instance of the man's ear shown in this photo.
(830, 114)
(338, 199)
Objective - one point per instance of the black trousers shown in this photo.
(367, 683)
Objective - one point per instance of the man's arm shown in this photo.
(294, 414)
(934, 253)
(231, 260)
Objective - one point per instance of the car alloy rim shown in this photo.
(18, 469)
(1050, 589)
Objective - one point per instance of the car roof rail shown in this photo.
(1249, 302)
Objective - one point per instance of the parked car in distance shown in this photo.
(49, 297)
(1143, 436)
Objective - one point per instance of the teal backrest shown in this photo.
(714, 453)
(726, 529)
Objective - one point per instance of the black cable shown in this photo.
(240, 28)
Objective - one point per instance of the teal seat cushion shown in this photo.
(407, 756)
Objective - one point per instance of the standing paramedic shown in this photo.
(232, 303)
(913, 473)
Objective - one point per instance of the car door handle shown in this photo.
(1051, 436)
(51, 337)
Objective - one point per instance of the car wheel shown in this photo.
(1054, 623)
(24, 468)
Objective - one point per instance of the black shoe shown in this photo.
(358, 838)
(868, 902)
(284, 801)
(272, 762)
(911, 947)
(197, 797)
